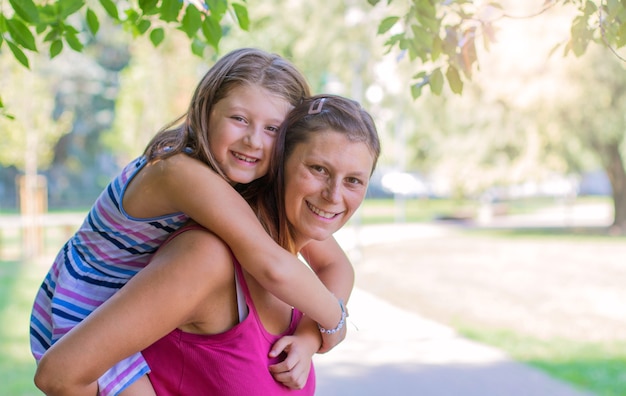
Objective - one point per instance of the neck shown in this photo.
(300, 244)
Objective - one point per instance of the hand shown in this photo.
(293, 371)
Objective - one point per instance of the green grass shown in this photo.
(377, 211)
(599, 367)
(18, 283)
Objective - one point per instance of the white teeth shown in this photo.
(319, 212)
(244, 158)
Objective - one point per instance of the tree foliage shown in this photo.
(69, 22)
(31, 26)
(442, 37)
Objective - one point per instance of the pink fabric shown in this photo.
(233, 363)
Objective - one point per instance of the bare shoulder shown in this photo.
(164, 186)
(179, 164)
(204, 250)
(200, 241)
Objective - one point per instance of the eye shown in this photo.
(272, 129)
(354, 181)
(238, 118)
(319, 169)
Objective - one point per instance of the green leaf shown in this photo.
(197, 47)
(436, 49)
(21, 34)
(373, 2)
(148, 6)
(26, 10)
(421, 37)
(192, 21)
(68, 7)
(156, 36)
(3, 24)
(590, 8)
(212, 31)
(53, 34)
(143, 26)
(416, 90)
(132, 17)
(242, 16)
(454, 80)
(387, 24)
(111, 9)
(18, 54)
(436, 81)
(217, 8)
(421, 75)
(170, 10)
(73, 42)
(71, 29)
(92, 21)
(55, 48)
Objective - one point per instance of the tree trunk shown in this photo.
(614, 166)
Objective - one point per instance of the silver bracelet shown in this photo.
(341, 322)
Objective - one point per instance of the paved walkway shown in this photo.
(390, 351)
(395, 352)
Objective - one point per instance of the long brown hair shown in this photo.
(318, 113)
(245, 66)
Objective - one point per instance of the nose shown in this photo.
(253, 137)
(332, 190)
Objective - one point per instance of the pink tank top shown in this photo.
(232, 363)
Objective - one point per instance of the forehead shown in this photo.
(255, 98)
(335, 150)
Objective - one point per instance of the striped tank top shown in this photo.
(101, 257)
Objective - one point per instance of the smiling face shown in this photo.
(242, 130)
(326, 180)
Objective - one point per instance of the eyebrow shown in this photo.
(322, 161)
(245, 109)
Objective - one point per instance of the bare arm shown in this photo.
(334, 269)
(165, 295)
(332, 266)
(182, 184)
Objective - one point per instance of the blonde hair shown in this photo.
(245, 66)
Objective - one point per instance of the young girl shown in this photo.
(217, 346)
(188, 171)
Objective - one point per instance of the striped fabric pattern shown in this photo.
(107, 250)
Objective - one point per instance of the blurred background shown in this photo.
(516, 175)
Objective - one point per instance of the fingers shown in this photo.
(280, 346)
(292, 380)
(293, 374)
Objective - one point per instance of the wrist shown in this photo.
(342, 321)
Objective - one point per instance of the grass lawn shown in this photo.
(18, 283)
(599, 367)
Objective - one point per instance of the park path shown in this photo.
(392, 350)
(396, 352)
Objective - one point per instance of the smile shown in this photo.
(320, 212)
(245, 158)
